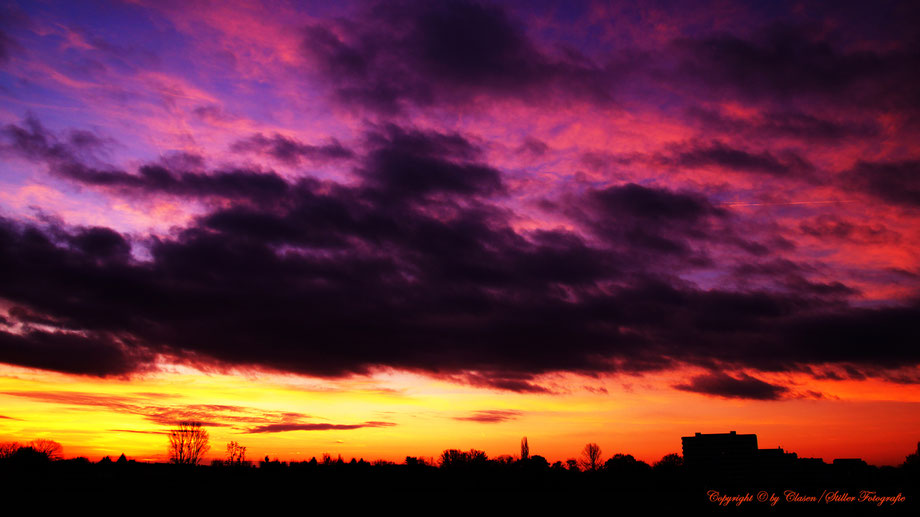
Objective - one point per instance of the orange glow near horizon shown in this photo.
(406, 414)
(575, 222)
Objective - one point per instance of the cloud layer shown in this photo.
(479, 192)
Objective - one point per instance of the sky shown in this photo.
(388, 229)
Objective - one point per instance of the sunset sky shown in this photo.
(388, 229)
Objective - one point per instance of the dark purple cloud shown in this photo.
(652, 205)
(637, 219)
(216, 415)
(836, 228)
(279, 428)
(291, 151)
(743, 387)
(715, 154)
(718, 154)
(420, 53)
(68, 158)
(102, 243)
(31, 140)
(416, 265)
(391, 56)
(98, 354)
(533, 147)
(896, 182)
(797, 125)
(240, 184)
(447, 296)
(490, 416)
(786, 63)
(791, 277)
(212, 113)
(412, 164)
(520, 382)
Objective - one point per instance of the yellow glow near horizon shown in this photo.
(640, 415)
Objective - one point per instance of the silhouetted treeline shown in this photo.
(668, 481)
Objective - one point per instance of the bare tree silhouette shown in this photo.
(236, 454)
(7, 449)
(188, 443)
(456, 457)
(49, 448)
(591, 457)
(525, 449)
(670, 461)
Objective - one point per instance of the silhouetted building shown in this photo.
(730, 453)
(775, 464)
(735, 456)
